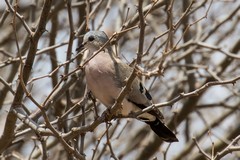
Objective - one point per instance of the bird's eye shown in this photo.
(91, 38)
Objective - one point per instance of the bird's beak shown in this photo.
(81, 46)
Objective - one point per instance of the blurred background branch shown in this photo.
(187, 54)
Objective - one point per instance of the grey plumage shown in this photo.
(106, 74)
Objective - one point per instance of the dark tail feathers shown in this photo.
(162, 131)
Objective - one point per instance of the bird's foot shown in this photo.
(107, 115)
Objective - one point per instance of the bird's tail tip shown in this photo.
(163, 131)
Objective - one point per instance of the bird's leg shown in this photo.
(93, 99)
(107, 114)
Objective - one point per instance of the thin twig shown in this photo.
(201, 150)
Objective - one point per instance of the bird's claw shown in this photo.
(107, 115)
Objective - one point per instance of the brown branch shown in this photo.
(196, 92)
(229, 149)
(8, 131)
(53, 56)
(105, 14)
(97, 145)
(201, 150)
(20, 17)
(71, 37)
(190, 145)
(109, 142)
(142, 30)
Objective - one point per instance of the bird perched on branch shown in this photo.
(106, 75)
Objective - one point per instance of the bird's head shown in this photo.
(94, 40)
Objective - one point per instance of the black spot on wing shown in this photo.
(147, 94)
(141, 87)
(144, 91)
